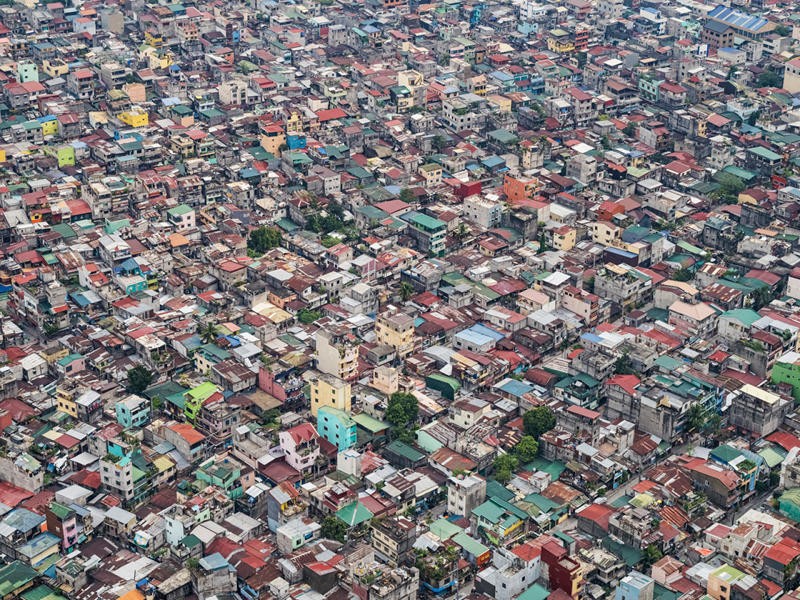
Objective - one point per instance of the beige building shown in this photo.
(396, 329)
(330, 391)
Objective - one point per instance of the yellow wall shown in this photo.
(325, 394)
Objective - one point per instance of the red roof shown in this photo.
(11, 495)
(303, 433)
(331, 114)
(787, 441)
(188, 433)
(597, 513)
(628, 383)
(527, 551)
(784, 551)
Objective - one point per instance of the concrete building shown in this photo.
(758, 411)
(635, 586)
(464, 493)
(330, 391)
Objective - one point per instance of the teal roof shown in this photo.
(553, 468)
(535, 592)
(771, 456)
(68, 359)
(744, 315)
(765, 153)
(470, 544)
(444, 529)
(425, 221)
(495, 489)
(406, 451)
(369, 423)
(354, 514)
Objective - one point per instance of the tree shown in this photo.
(682, 274)
(333, 528)
(538, 421)
(761, 298)
(696, 418)
(769, 79)
(504, 466)
(652, 554)
(263, 239)
(406, 291)
(401, 412)
(624, 366)
(308, 316)
(407, 195)
(209, 333)
(730, 187)
(527, 449)
(139, 379)
(630, 130)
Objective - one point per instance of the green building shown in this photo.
(787, 370)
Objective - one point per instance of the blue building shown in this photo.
(133, 411)
(635, 586)
(337, 427)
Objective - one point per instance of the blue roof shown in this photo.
(501, 76)
(483, 330)
(515, 388)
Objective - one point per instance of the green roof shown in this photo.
(726, 453)
(406, 451)
(68, 359)
(60, 511)
(667, 362)
(42, 592)
(470, 545)
(179, 210)
(792, 496)
(629, 554)
(64, 229)
(765, 153)
(553, 468)
(744, 315)
(15, 576)
(771, 456)
(426, 221)
(354, 514)
(190, 541)
(202, 391)
(495, 489)
(444, 529)
(535, 592)
(369, 423)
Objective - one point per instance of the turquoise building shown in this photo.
(337, 427)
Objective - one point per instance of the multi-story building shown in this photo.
(331, 392)
(484, 212)
(133, 411)
(301, 447)
(428, 232)
(337, 426)
(128, 476)
(337, 352)
(464, 493)
(396, 329)
(635, 586)
(393, 539)
(758, 411)
(297, 533)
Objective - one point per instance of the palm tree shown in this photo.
(209, 333)
(406, 291)
(696, 418)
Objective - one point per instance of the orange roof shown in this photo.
(188, 433)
